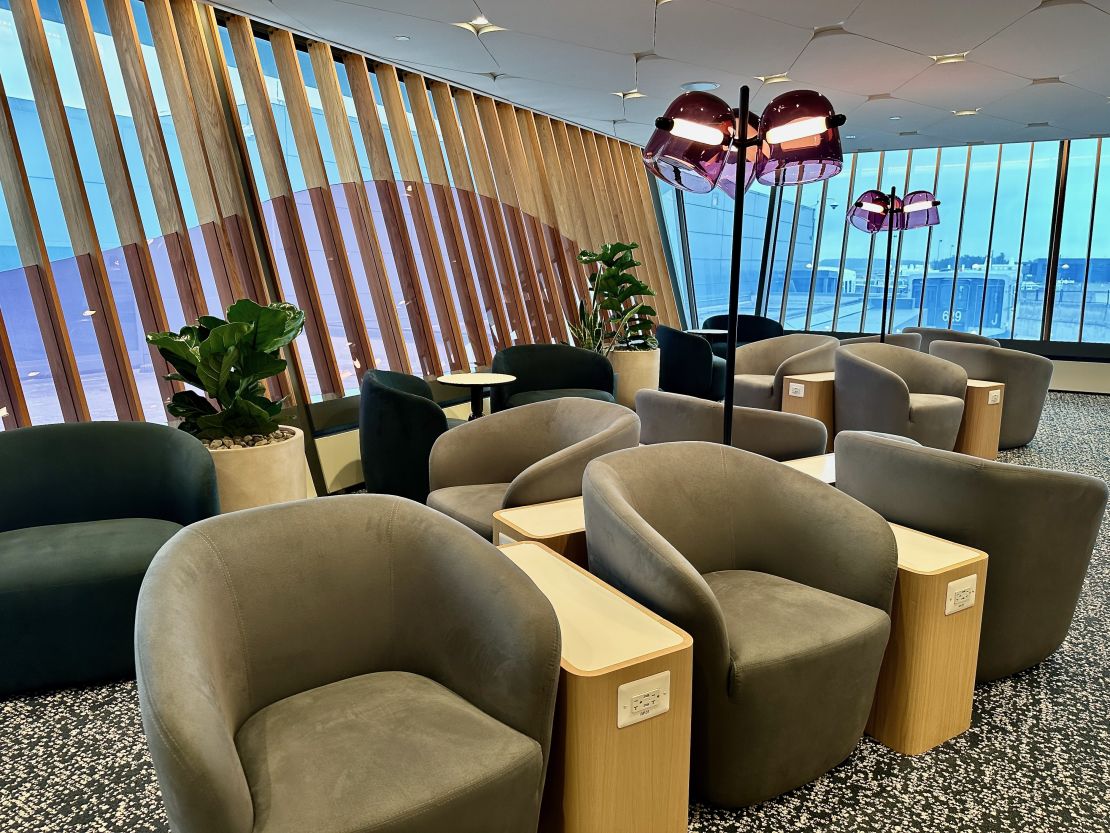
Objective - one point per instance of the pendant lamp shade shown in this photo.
(689, 147)
(801, 140)
(727, 181)
(920, 209)
(872, 212)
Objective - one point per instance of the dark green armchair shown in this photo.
(550, 371)
(83, 510)
(688, 366)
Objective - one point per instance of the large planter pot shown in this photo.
(264, 474)
(636, 370)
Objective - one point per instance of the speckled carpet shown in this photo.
(1036, 760)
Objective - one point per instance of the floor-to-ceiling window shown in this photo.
(984, 268)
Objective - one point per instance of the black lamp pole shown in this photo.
(889, 253)
(741, 140)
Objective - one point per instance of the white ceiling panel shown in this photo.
(810, 14)
(978, 128)
(705, 33)
(373, 31)
(663, 77)
(842, 102)
(632, 132)
(529, 56)
(450, 11)
(855, 64)
(644, 110)
(936, 27)
(613, 25)
(1053, 102)
(540, 95)
(1059, 37)
(962, 86)
(1095, 77)
(893, 115)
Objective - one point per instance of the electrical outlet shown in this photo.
(994, 396)
(961, 595)
(640, 700)
(796, 389)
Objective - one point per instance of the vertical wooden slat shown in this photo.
(569, 216)
(426, 233)
(471, 211)
(654, 239)
(514, 220)
(13, 404)
(453, 239)
(400, 243)
(588, 191)
(75, 208)
(350, 174)
(494, 217)
(295, 247)
(555, 304)
(117, 179)
(152, 144)
(581, 198)
(323, 204)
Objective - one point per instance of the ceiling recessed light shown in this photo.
(966, 112)
(700, 86)
(630, 94)
(951, 58)
(849, 137)
(480, 25)
(907, 133)
(896, 118)
(402, 38)
(778, 78)
(1038, 124)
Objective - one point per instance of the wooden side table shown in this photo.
(477, 382)
(925, 689)
(560, 525)
(982, 422)
(603, 778)
(823, 467)
(811, 395)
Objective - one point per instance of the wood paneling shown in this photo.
(426, 233)
(350, 174)
(462, 273)
(400, 242)
(13, 405)
(75, 208)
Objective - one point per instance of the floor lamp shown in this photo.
(877, 211)
(697, 146)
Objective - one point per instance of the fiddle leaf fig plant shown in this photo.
(228, 361)
(616, 317)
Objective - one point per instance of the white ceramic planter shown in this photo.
(636, 370)
(259, 476)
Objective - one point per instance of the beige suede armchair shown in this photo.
(911, 341)
(530, 454)
(761, 366)
(892, 390)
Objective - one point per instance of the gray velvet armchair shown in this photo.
(1027, 377)
(880, 387)
(528, 454)
(785, 585)
(671, 417)
(931, 334)
(761, 366)
(292, 679)
(1038, 528)
(911, 341)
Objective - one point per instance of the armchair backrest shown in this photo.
(911, 341)
(748, 327)
(922, 373)
(548, 367)
(685, 361)
(768, 356)
(1038, 528)
(96, 471)
(398, 424)
(932, 334)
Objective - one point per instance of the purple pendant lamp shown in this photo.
(876, 211)
(697, 147)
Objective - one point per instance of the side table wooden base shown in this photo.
(982, 422)
(812, 395)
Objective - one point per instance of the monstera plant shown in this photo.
(616, 317)
(228, 361)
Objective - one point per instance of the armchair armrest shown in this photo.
(869, 395)
(493, 449)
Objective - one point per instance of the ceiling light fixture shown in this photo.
(966, 112)
(630, 94)
(778, 78)
(699, 86)
(896, 118)
(480, 25)
(952, 58)
(401, 38)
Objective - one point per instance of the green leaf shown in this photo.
(273, 327)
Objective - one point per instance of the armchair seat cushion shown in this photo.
(530, 396)
(67, 600)
(753, 390)
(935, 419)
(387, 751)
(472, 505)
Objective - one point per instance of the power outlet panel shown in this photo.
(796, 389)
(961, 595)
(640, 700)
(994, 396)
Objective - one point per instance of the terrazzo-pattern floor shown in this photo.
(1037, 758)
